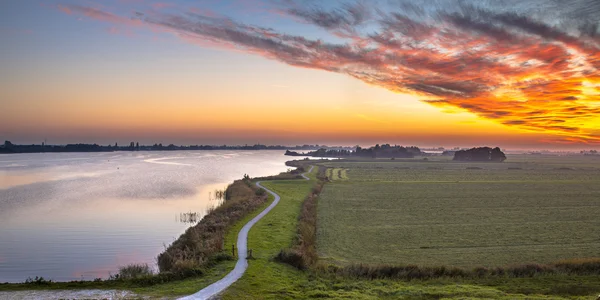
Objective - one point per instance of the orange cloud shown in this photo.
(502, 66)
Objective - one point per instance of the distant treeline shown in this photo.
(377, 151)
(9, 147)
(591, 152)
(480, 154)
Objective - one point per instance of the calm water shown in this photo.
(68, 216)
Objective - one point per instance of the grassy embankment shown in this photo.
(201, 256)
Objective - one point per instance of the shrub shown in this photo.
(260, 192)
(38, 281)
(291, 257)
(134, 271)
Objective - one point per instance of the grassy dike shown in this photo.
(265, 278)
(192, 285)
(167, 290)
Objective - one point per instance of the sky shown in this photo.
(515, 74)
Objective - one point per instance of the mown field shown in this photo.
(529, 209)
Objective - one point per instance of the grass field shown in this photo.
(268, 279)
(530, 209)
(265, 278)
(337, 174)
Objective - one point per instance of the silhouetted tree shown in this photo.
(480, 154)
(497, 155)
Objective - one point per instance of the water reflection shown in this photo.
(192, 218)
(189, 218)
(89, 217)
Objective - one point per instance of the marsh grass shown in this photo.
(38, 280)
(132, 271)
(189, 217)
(194, 248)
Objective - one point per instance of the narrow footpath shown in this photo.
(242, 247)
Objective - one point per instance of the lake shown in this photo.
(73, 216)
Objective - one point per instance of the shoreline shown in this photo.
(107, 284)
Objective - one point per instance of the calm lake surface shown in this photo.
(73, 216)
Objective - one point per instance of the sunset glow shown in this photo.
(293, 72)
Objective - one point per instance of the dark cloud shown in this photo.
(346, 17)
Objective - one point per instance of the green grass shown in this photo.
(267, 279)
(337, 174)
(441, 213)
(187, 286)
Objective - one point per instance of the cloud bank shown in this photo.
(533, 65)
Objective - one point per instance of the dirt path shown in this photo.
(242, 247)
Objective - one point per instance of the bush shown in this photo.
(291, 257)
(134, 271)
(38, 281)
(260, 192)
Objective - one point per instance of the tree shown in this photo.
(480, 154)
(497, 155)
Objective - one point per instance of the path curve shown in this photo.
(242, 246)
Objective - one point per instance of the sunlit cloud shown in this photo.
(511, 66)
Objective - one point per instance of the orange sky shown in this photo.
(103, 76)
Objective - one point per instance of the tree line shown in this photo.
(9, 147)
(377, 151)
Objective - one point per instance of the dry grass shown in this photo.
(414, 272)
(194, 248)
(134, 271)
